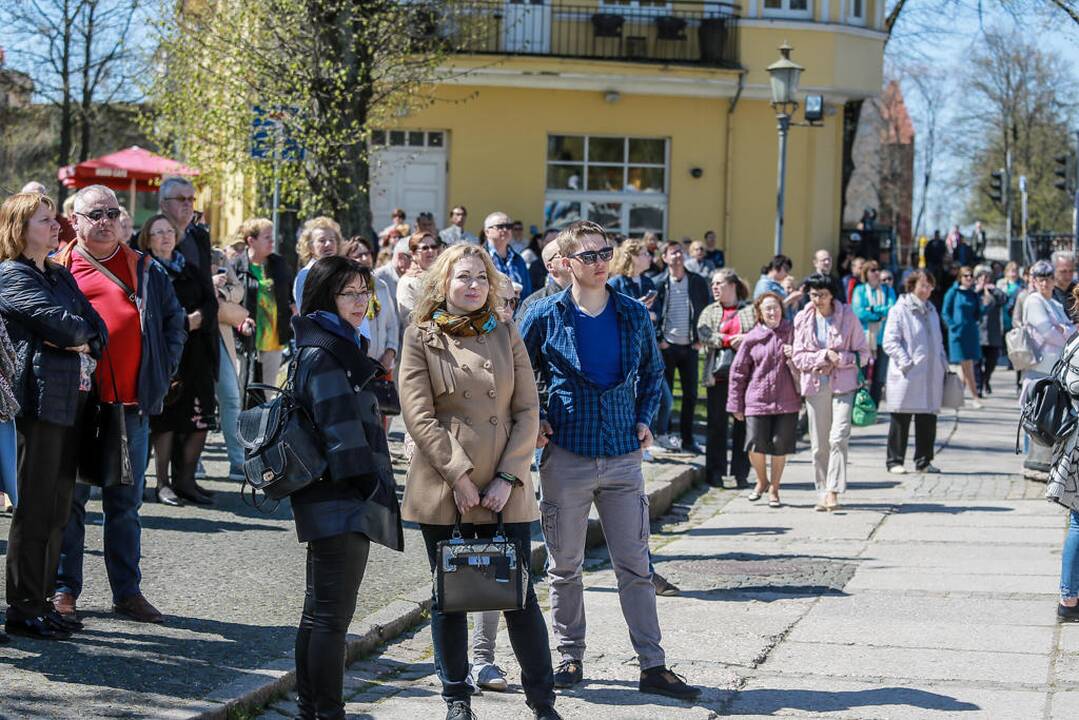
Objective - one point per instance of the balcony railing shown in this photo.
(681, 33)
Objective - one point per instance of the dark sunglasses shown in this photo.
(589, 257)
(96, 215)
(501, 226)
(886, 280)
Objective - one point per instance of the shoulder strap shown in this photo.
(131, 296)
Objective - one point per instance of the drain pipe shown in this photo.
(728, 165)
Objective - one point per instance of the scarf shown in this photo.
(480, 322)
(332, 323)
(172, 266)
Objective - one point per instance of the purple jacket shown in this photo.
(845, 336)
(761, 380)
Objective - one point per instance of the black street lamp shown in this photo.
(784, 74)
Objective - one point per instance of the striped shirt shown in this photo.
(589, 420)
(676, 317)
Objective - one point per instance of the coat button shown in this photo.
(494, 420)
(468, 421)
(467, 394)
(487, 365)
(355, 388)
(491, 393)
(348, 373)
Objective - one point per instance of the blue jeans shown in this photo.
(662, 424)
(9, 465)
(1069, 559)
(123, 530)
(228, 403)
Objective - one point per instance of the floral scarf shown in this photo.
(480, 322)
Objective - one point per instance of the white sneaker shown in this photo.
(646, 455)
(897, 470)
(492, 677)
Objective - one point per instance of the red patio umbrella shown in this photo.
(132, 169)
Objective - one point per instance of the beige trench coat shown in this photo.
(470, 404)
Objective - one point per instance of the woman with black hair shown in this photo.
(774, 272)
(355, 502)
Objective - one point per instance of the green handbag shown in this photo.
(864, 412)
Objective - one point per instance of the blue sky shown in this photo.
(941, 39)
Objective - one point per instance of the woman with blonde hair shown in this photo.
(468, 397)
(319, 238)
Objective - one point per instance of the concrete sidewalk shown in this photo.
(924, 596)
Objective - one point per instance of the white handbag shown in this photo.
(952, 398)
(1020, 349)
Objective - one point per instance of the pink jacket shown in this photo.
(845, 336)
(761, 381)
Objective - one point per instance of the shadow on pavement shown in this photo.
(770, 702)
(701, 532)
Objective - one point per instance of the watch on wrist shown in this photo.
(513, 480)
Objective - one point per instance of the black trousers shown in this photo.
(715, 452)
(47, 467)
(527, 628)
(925, 435)
(684, 359)
(880, 374)
(986, 366)
(335, 567)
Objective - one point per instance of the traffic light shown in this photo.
(1062, 172)
(996, 186)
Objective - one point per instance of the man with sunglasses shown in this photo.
(146, 325)
(681, 296)
(599, 372)
(497, 232)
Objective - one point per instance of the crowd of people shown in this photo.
(565, 351)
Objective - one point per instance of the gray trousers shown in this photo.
(569, 485)
(829, 435)
(484, 632)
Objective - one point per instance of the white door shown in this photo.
(412, 178)
(526, 27)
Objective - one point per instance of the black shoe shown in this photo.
(460, 710)
(664, 588)
(1067, 614)
(715, 481)
(166, 496)
(569, 673)
(208, 493)
(64, 623)
(691, 448)
(546, 713)
(34, 627)
(741, 483)
(192, 497)
(661, 681)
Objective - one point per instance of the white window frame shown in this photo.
(786, 12)
(853, 19)
(634, 5)
(627, 198)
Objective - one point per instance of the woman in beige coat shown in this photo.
(469, 401)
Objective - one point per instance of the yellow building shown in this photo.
(640, 114)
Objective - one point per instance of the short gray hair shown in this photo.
(168, 183)
(82, 195)
(1065, 255)
(1042, 268)
(983, 269)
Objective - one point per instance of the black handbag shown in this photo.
(1048, 415)
(722, 361)
(104, 459)
(282, 446)
(480, 574)
(389, 402)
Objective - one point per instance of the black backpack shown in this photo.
(1048, 415)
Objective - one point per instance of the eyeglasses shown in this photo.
(426, 248)
(501, 226)
(97, 215)
(887, 279)
(966, 276)
(183, 199)
(510, 303)
(355, 297)
(163, 233)
(589, 257)
(876, 270)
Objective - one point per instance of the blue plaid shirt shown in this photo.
(514, 266)
(586, 419)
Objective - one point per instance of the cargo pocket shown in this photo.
(549, 524)
(646, 519)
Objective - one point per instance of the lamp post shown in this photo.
(784, 74)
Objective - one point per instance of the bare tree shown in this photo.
(931, 89)
(80, 55)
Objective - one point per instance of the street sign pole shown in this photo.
(784, 127)
(1008, 196)
(1023, 199)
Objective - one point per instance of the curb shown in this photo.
(264, 684)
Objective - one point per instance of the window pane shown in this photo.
(646, 217)
(378, 137)
(565, 177)
(645, 179)
(397, 137)
(607, 150)
(647, 151)
(799, 4)
(857, 10)
(560, 212)
(415, 139)
(608, 215)
(773, 4)
(565, 148)
(434, 139)
(601, 177)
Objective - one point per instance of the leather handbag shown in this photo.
(952, 397)
(282, 447)
(480, 574)
(389, 402)
(1021, 350)
(103, 455)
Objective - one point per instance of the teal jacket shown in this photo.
(869, 313)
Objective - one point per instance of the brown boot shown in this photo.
(138, 608)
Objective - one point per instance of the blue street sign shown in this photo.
(269, 128)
